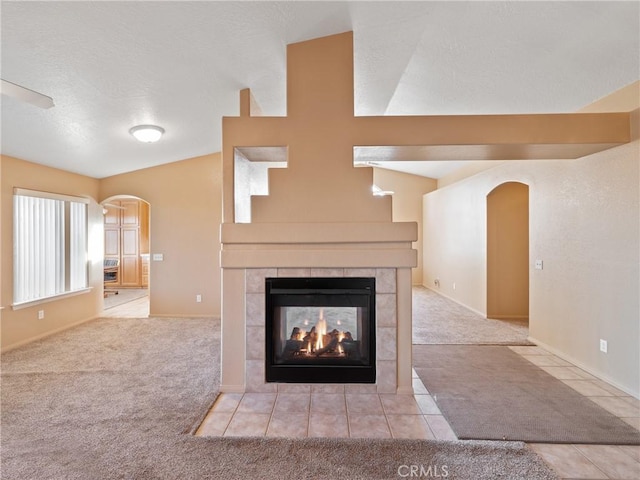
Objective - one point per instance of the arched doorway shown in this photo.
(508, 252)
(127, 243)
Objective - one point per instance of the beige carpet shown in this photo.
(440, 321)
(113, 399)
(491, 393)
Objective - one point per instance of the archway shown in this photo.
(508, 252)
(127, 241)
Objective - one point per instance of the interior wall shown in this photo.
(22, 326)
(406, 204)
(508, 251)
(186, 208)
(584, 226)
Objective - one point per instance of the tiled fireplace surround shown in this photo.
(253, 252)
(386, 363)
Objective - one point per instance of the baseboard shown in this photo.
(482, 314)
(509, 317)
(584, 367)
(232, 389)
(13, 346)
(183, 315)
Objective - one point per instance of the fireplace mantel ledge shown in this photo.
(317, 233)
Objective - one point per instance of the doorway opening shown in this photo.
(127, 248)
(508, 252)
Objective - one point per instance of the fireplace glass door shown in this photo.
(320, 330)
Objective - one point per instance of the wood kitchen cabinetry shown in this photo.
(126, 238)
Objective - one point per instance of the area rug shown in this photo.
(491, 393)
(116, 398)
(438, 320)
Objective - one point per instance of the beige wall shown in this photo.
(186, 208)
(584, 226)
(406, 203)
(508, 251)
(21, 326)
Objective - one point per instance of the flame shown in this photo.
(321, 330)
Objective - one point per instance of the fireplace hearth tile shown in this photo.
(361, 404)
(369, 426)
(248, 425)
(292, 403)
(254, 279)
(227, 402)
(284, 424)
(257, 403)
(324, 425)
(288, 415)
(328, 403)
(215, 424)
(410, 426)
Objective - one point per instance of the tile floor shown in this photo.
(357, 415)
(138, 308)
(317, 413)
(575, 462)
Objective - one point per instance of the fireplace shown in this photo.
(320, 330)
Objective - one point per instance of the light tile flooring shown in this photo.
(138, 308)
(589, 461)
(320, 414)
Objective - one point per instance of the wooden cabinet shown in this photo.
(126, 238)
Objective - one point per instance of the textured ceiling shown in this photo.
(112, 65)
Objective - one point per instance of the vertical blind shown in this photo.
(50, 245)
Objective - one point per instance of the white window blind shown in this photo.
(50, 245)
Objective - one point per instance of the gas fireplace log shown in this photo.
(332, 345)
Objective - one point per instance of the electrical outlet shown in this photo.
(198, 298)
(40, 314)
(454, 285)
(603, 346)
(436, 282)
(539, 264)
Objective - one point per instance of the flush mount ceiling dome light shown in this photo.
(147, 133)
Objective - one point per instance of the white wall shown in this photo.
(584, 226)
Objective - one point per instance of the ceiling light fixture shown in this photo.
(147, 133)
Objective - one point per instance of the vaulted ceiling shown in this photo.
(111, 65)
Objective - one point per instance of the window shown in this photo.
(49, 245)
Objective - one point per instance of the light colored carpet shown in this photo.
(114, 398)
(491, 393)
(440, 321)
